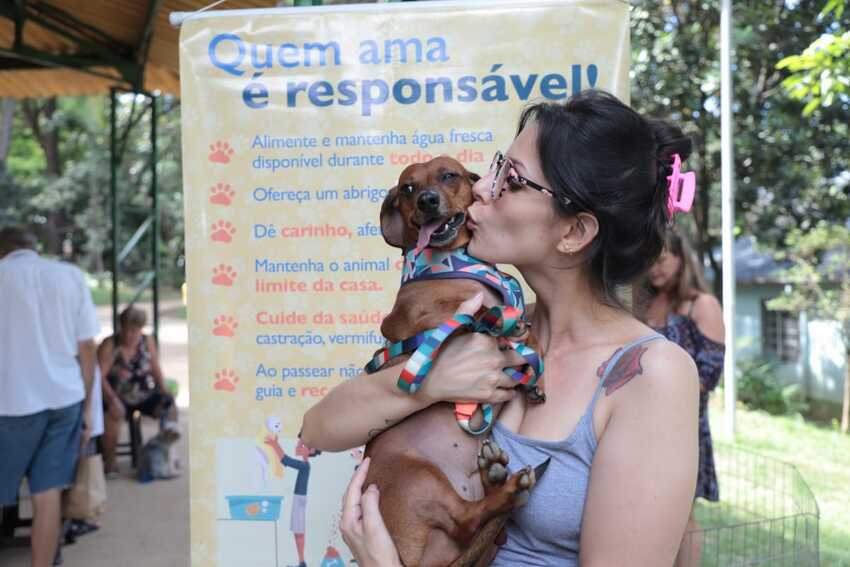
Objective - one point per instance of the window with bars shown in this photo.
(780, 333)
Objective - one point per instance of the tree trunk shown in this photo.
(48, 138)
(845, 410)
(50, 144)
(6, 127)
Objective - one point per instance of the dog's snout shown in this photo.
(428, 201)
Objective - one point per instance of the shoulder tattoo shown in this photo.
(627, 367)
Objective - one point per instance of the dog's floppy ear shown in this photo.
(392, 224)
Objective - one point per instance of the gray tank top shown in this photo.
(546, 531)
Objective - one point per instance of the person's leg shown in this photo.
(298, 523)
(690, 549)
(20, 438)
(168, 409)
(299, 545)
(52, 470)
(161, 406)
(46, 519)
(172, 409)
(112, 423)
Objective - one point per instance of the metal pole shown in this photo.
(113, 191)
(727, 184)
(155, 222)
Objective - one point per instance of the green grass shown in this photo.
(820, 454)
(178, 313)
(102, 293)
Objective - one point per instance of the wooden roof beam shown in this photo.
(98, 49)
(27, 58)
(85, 35)
(143, 47)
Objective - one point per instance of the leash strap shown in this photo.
(464, 412)
(498, 321)
(422, 359)
(391, 350)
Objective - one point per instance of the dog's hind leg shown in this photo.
(458, 538)
(434, 526)
(503, 495)
(471, 526)
(422, 510)
(482, 550)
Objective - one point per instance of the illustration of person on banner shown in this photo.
(298, 518)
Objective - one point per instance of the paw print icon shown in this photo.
(224, 275)
(224, 326)
(221, 152)
(225, 380)
(223, 231)
(222, 194)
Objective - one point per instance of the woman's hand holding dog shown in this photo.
(469, 367)
(362, 526)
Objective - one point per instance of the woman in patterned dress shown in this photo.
(682, 309)
(133, 380)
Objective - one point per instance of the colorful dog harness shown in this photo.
(499, 321)
(430, 264)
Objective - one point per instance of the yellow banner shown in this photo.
(296, 121)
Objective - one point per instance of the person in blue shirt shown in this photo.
(297, 520)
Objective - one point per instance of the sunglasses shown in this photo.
(504, 174)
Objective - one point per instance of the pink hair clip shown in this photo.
(681, 188)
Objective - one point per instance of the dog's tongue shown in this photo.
(425, 232)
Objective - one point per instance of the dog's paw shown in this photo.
(523, 481)
(492, 462)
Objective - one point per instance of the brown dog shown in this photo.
(445, 494)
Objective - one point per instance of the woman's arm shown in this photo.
(708, 316)
(156, 370)
(468, 368)
(643, 475)
(356, 410)
(104, 360)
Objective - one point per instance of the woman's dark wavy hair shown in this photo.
(604, 158)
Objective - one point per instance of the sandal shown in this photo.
(81, 527)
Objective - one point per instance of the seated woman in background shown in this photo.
(129, 361)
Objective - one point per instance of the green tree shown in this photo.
(820, 284)
(818, 248)
(787, 166)
(821, 73)
(56, 177)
